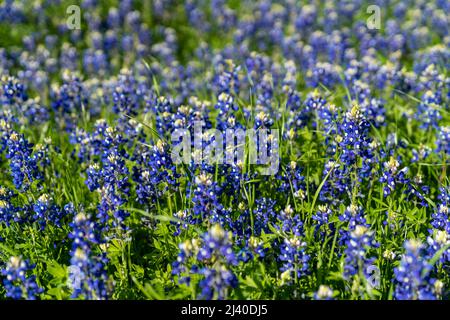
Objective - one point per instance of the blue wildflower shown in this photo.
(88, 270)
(324, 293)
(46, 211)
(17, 284)
(412, 277)
(361, 240)
(443, 140)
(23, 164)
(209, 257)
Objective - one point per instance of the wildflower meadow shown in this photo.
(224, 149)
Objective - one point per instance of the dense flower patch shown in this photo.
(94, 100)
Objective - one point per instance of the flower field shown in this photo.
(214, 149)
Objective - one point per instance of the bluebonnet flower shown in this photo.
(182, 221)
(22, 214)
(290, 222)
(421, 154)
(388, 74)
(322, 73)
(412, 277)
(337, 184)
(187, 250)
(46, 211)
(88, 270)
(13, 98)
(272, 51)
(7, 210)
(226, 79)
(93, 180)
(292, 250)
(127, 99)
(293, 105)
(155, 172)
(95, 144)
(264, 89)
(306, 17)
(354, 215)
(253, 247)
(6, 194)
(109, 176)
(289, 81)
(184, 76)
(356, 141)
(196, 112)
(440, 218)
(322, 220)
(324, 293)
(293, 181)
(83, 141)
(42, 152)
(12, 92)
(223, 15)
(314, 102)
(241, 227)
(227, 109)
(264, 213)
(34, 112)
(416, 191)
(216, 243)
(328, 116)
(205, 197)
(438, 237)
(439, 240)
(17, 284)
(392, 175)
(216, 283)
(23, 164)
(235, 177)
(165, 115)
(350, 138)
(69, 100)
(443, 140)
(360, 91)
(263, 120)
(95, 61)
(13, 12)
(431, 81)
(429, 58)
(428, 110)
(196, 16)
(293, 256)
(210, 257)
(359, 243)
(6, 122)
(374, 111)
(113, 185)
